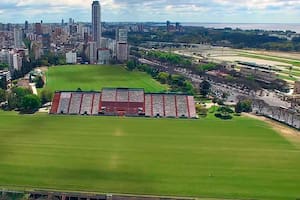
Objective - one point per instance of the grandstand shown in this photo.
(170, 108)
(182, 106)
(96, 103)
(123, 102)
(75, 103)
(157, 105)
(64, 102)
(86, 104)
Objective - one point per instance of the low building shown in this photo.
(104, 56)
(71, 57)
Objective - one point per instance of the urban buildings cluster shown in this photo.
(78, 42)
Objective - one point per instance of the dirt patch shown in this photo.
(118, 133)
(284, 130)
(114, 161)
(43, 69)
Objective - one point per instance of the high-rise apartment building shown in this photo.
(38, 29)
(122, 45)
(26, 26)
(121, 35)
(96, 23)
(122, 51)
(18, 38)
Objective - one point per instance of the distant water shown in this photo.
(245, 26)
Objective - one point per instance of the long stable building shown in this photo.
(123, 102)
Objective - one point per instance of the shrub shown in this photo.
(39, 82)
(224, 117)
(201, 110)
(46, 96)
(30, 103)
(3, 95)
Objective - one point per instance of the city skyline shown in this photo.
(222, 11)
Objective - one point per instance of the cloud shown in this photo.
(260, 4)
(154, 10)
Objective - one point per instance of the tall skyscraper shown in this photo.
(96, 23)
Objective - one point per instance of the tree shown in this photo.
(46, 96)
(239, 107)
(243, 106)
(225, 95)
(188, 87)
(39, 82)
(3, 95)
(3, 66)
(259, 104)
(163, 77)
(131, 65)
(224, 112)
(3, 83)
(205, 88)
(30, 103)
(16, 96)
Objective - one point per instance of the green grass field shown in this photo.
(95, 77)
(242, 158)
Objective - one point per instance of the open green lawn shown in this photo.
(95, 77)
(242, 158)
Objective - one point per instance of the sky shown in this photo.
(217, 11)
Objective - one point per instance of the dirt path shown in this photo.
(33, 88)
(284, 130)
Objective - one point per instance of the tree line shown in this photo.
(235, 38)
(22, 99)
(178, 83)
(176, 60)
